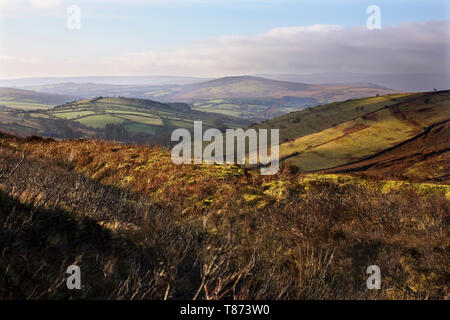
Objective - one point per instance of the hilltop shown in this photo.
(357, 134)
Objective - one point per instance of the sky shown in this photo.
(40, 38)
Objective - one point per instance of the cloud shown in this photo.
(46, 4)
(408, 48)
(21, 8)
(419, 47)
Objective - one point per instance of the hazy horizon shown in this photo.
(213, 39)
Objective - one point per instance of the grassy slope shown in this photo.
(341, 133)
(270, 237)
(424, 158)
(301, 123)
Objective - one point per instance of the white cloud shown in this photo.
(412, 47)
(46, 4)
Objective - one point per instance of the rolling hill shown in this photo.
(28, 99)
(380, 133)
(144, 120)
(246, 97)
(139, 115)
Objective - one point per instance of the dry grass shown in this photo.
(143, 228)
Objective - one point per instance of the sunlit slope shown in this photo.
(375, 125)
(424, 158)
(312, 120)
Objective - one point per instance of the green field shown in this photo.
(73, 115)
(23, 105)
(144, 120)
(99, 121)
(138, 115)
(139, 127)
(221, 106)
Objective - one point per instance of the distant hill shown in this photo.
(392, 131)
(240, 87)
(259, 98)
(258, 87)
(114, 80)
(27, 99)
(253, 98)
(403, 82)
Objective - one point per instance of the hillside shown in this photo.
(340, 134)
(425, 157)
(128, 216)
(27, 99)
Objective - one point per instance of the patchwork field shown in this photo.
(138, 115)
(140, 120)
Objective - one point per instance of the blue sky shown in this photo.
(35, 30)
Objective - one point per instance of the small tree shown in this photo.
(116, 131)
